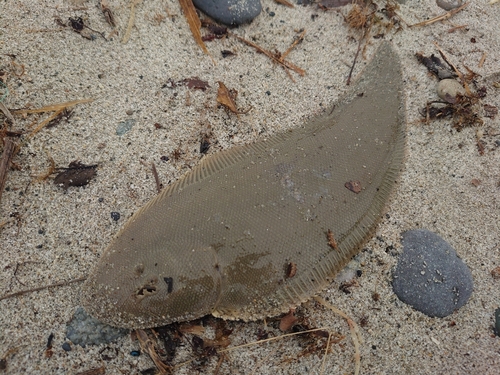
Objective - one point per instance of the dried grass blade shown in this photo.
(194, 22)
(131, 20)
(53, 107)
(9, 150)
(441, 17)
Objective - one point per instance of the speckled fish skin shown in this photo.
(219, 240)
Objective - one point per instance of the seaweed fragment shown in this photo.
(435, 66)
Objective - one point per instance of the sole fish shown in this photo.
(255, 230)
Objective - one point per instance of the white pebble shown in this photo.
(448, 89)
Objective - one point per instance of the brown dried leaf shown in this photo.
(225, 98)
(194, 22)
(195, 83)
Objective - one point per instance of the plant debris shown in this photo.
(285, 3)
(108, 14)
(58, 108)
(278, 57)
(215, 31)
(354, 186)
(9, 149)
(435, 66)
(290, 270)
(195, 83)
(442, 17)
(131, 20)
(77, 174)
(194, 23)
(148, 346)
(78, 25)
(227, 98)
(331, 240)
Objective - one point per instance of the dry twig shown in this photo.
(131, 20)
(276, 57)
(148, 346)
(285, 3)
(62, 283)
(355, 334)
(8, 152)
(442, 17)
(58, 108)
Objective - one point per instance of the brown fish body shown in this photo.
(222, 239)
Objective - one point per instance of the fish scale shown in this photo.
(221, 239)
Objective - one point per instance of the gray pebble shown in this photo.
(85, 330)
(449, 4)
(448, 89)
(429, 275)
(124, 126)
(230, 12)
(66, 347)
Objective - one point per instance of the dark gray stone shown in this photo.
(230, 12)
(429, 275)
(85, 330)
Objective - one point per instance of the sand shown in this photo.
(52, 235)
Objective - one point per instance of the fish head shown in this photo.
(142, 281)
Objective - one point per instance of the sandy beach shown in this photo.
(450, 183)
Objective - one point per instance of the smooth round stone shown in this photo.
(449, 4)
(86, 330)
(448, 89)
(430, 276)
(230, 12)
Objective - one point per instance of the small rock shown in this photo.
(66, 347)
(85, 330)
(115, 216)
(449, 4)
(230, 12)
(429, 275)
(124, 126)
(448, 89)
